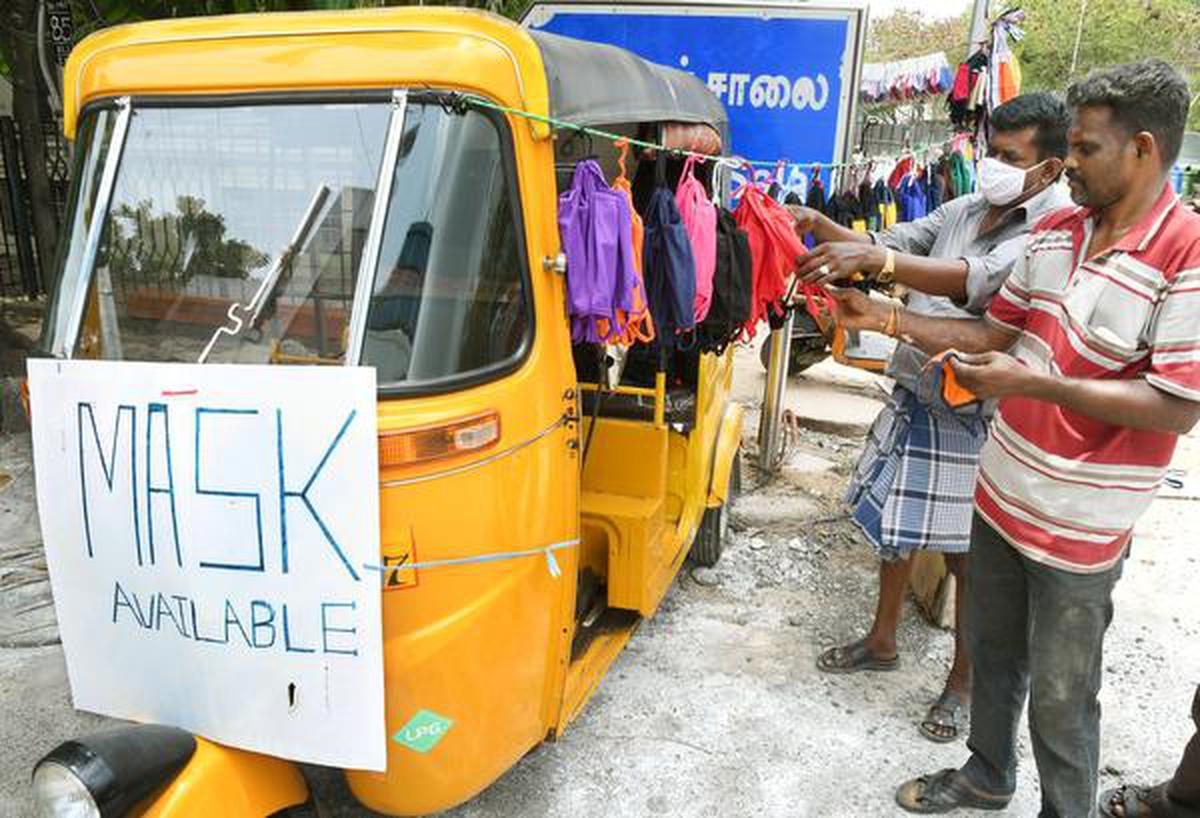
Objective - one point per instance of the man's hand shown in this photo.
(854, 310)
(806, 218)
(839, 261)
(995, 375)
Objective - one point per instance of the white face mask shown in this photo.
(1001, 184)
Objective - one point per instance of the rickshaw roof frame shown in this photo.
(554, 76)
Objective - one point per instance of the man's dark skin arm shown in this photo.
(855, 310)
(843, 252)
(984, 369)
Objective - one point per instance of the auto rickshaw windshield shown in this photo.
(236, 233)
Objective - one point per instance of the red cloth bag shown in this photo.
(774, 250)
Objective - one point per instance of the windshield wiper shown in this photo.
(250, 314)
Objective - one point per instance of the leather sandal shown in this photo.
(945, 791)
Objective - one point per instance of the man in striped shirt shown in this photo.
(1100, 373)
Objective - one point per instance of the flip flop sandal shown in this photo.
(1144, 802)
(945, 791)
(945, 712)
(854, 658)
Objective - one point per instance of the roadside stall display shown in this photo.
(906, 80)
(990, 77)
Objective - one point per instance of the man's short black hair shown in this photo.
(1143, 96)
(1046, 112)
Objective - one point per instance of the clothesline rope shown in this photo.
(735, 163)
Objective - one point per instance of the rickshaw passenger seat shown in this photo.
(680, 409)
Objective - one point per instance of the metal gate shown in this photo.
(22, 273)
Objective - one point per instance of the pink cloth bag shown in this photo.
(700, 221)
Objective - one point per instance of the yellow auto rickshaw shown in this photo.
(407, 161)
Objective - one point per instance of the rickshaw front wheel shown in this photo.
(714, 525)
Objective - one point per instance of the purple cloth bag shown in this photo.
(595, 226)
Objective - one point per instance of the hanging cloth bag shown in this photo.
(638, 323)
(700, 220)
(594, 227)
(668, 265)
(774, 249)
(733, 287)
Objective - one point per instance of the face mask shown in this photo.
(1001, 184)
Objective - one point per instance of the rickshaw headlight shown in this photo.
(59, 793)
(106, 774)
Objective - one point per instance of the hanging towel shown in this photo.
(699, 217)
(594, 224)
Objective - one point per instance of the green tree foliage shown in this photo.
(911, 34)
(1114, 31)
(169, 248)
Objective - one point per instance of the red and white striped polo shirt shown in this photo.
(1064, 488)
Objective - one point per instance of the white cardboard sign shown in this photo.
(206, 529)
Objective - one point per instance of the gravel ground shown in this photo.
(716, 707)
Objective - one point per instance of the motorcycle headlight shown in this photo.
(58, 793)
(105, 774)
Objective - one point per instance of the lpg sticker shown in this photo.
(398, 558)
(423, 731)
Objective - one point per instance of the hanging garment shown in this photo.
(669, 266)
(962, 112)
(935, 190)
(594, 223)
(733, 288)
(913, 199)
(774, 249)
(1009, 86)
(885, 199)
(816, 192)
(699, 217)
(960, 174)
(902, 169)
(638, 324)
(870, 207)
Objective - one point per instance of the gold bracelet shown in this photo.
(893, 322)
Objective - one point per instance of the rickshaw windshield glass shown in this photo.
(234, 233)
(449, 297)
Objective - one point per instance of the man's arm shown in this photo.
(845, 253)
(1132, 403)
(856, 311)
(823, 228)
(837, 261)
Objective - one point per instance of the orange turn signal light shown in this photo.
(410, 446)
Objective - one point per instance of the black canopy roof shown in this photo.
(595, 84)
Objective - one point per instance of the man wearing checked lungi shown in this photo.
(914, 483)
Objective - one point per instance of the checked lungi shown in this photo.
(914, 485)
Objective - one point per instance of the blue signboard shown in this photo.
(785, 76)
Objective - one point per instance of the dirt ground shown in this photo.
(716, 707)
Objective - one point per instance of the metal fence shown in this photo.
(878, 138)
(22, 272)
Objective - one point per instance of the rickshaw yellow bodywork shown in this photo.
(489, 645)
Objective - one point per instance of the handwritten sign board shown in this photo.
(206, 529)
